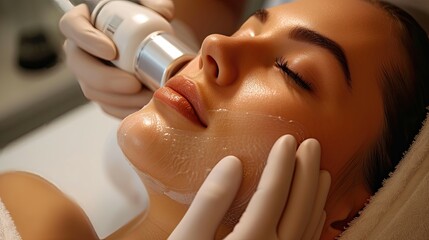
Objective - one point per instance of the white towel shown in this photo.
(7, 227)
(400, 209)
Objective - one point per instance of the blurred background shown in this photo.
(48, 128)
(35, 86)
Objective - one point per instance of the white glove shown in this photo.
(288, 203)
(87, 50)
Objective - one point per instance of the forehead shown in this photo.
(363, 30)
(341, 20)
(361, 14)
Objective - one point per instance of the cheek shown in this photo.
(177, 161)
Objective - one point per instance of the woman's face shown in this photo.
(309, 68)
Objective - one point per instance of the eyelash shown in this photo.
(282, 64)
(262, 14)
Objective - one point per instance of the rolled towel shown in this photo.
(400, 209)
(7, 227)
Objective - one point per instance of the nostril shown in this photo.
(213, 67)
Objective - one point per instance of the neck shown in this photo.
(159, 221)
(165, 214)
(162, 217)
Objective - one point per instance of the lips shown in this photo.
(181, 94)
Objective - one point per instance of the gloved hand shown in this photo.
(87, 50)
(288, 203)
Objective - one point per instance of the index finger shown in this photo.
(266, 205)
(297, 213)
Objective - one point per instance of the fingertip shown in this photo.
(311, 143)
(232, 158)
(310, 148)
(232, 163)
(97, 44)
(106, 52)
(286, 140)
(229, 169)
(282, 154)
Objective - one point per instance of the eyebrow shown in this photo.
(312, 37)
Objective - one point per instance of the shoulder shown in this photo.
(42, 211)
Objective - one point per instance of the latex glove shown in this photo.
(288, 203)
(87, 50)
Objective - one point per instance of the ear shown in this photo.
(345, 208)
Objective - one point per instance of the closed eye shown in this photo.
(282, 64)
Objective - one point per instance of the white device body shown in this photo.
(128, 26)
(144, 40)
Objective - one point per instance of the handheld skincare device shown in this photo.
(145, 41)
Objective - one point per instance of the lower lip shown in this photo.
(179, 103)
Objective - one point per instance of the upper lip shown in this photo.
(188, 90)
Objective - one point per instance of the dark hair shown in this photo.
(405, 96)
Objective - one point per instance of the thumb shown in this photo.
(163, 7)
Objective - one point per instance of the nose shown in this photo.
(221, 57)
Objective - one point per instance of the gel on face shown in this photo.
(175, 162)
